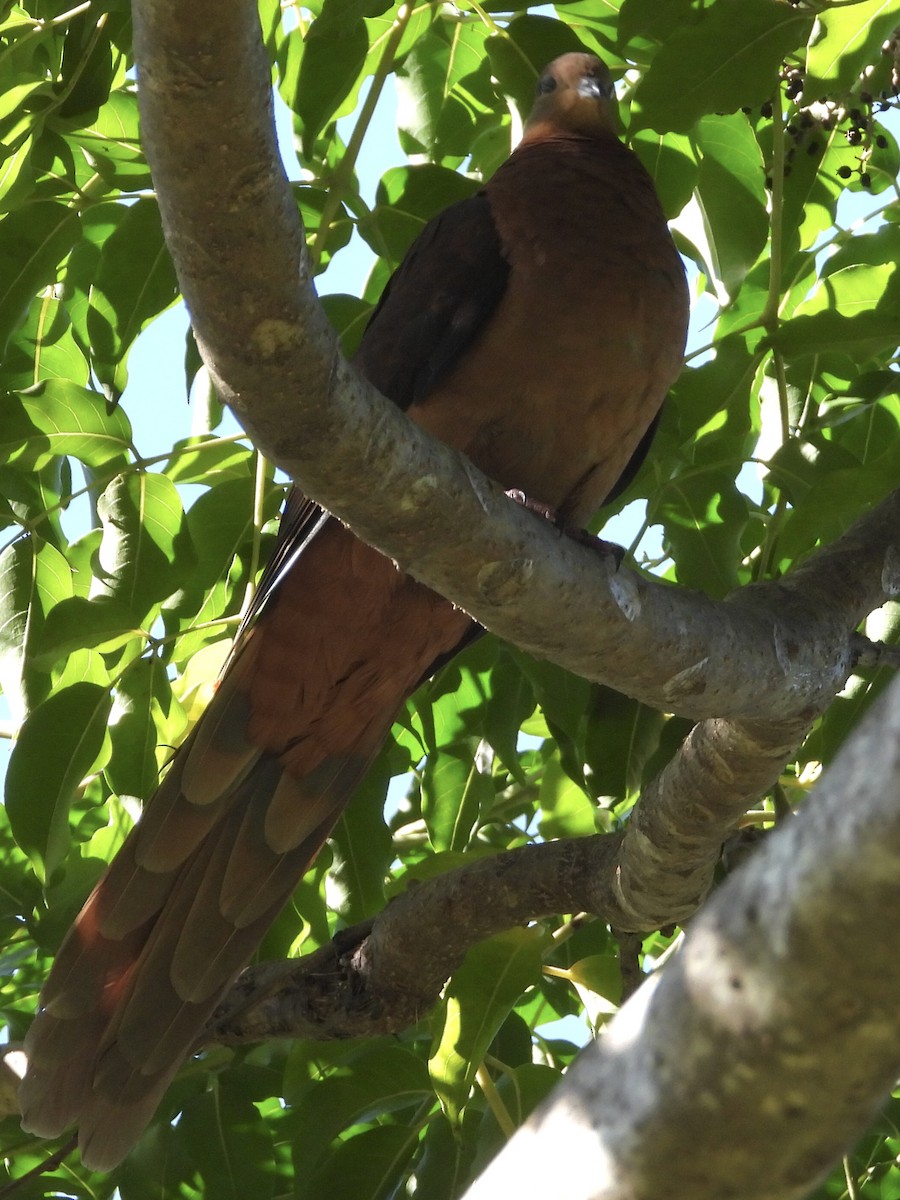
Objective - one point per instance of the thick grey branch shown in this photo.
(672, 842)
(763, 1049)
(674, 838)
(236, 239)
(385, 975)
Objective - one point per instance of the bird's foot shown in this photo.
(583, 536)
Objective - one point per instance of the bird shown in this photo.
(535, 326)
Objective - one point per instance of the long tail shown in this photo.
(244, 809)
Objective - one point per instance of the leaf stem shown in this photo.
(769, 316)
(259, 495)
(494, 1102)
(345, 168)
(86, 53)
(496, 30)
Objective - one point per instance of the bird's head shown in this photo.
(575, 97)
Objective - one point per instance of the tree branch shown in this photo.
(382, 976)
(778, 1021)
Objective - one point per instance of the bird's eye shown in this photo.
(545, 84)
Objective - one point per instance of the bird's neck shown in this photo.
(553, 131)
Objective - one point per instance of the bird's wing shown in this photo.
(434, 306)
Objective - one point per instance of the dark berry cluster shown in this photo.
(809, 121)
(862, 132)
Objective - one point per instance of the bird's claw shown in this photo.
(597, 544)
(534, 506)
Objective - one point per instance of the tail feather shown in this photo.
(221, 751)
(89, 967)
(52, 1093)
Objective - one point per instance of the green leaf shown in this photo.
(329, 76)
(15, 94)
(444, 91)
(368, 1166)
(88, 63)
(76, 623)
(828, 486)
(349, 316)
(601, 974)
(454, 794)
(230, 1145)
(649, 22)
(596, 24)
(672, 163)
(622, 735)
(367, 1082)
(703, 515)
(850, 39)
(143, 550)
(17, 567)
(334, 14)
(510, 704)
(445, 1165)
(62, 741)
(728, 59)
(311, 202)
(732, 196)
(208, 460)
(449, 707)
(158, 1166)
(862, 336)
(113, 140)
(43, 347)
(716, 395)
(811, 191)
(58, 417)
(98, 223)
(33, 243)
(365, 848)
(17, 170)
(565, 809)
(34, 577)
(563, 699)
(220, 523)
(406, 198)
(144, 714)
(476, 1002)
(123, 300)
(513, 1044)
(856, 289)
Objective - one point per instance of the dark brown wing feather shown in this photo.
(434, 306)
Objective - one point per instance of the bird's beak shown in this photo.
(594, 89)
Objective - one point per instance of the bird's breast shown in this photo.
(555, 395)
